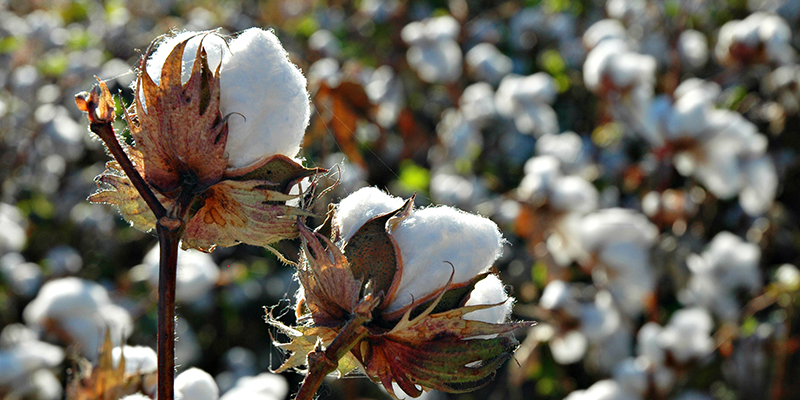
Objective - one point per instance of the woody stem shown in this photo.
(323, 361)
(169, 231)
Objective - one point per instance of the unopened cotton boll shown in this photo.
(195, 384)
(260, 89)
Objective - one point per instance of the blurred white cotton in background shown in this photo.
(197, 273)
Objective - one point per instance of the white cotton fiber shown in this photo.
(259, 82)
(195, 384)
(359, 207)
(490, 290)
(432, 239)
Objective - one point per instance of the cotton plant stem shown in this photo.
(323, 361)
(169, 232)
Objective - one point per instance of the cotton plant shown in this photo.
(434, 52)
(396, 291)
(728, 264)
(77, 312)
(25, 361)
(264, 386)
(552, 204)
(527, 100)
(720, 148)
(216, 123)
(762, 37)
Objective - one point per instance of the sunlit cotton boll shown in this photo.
(434, 53)
(527, 100)
(487, 62)
(81, 310)
(607, 389)
(606, 29)
(760, 37)
(727, 264)
(195, 384)
(567, 147)
(197, 273)
(140, 361)
(687, 336)
(20, 361)
(265, 386)
(693, 49)
(434, 243)
(324, 42)
(264, 93)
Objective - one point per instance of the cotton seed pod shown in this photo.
(440, 318)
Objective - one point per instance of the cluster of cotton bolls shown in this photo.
(638, 156)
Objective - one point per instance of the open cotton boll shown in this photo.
(359, 207)
(13, 236)
(25, 358)
(693, 48)
(477, 102)
(431, 239)
(265, 386)
(606, 29)
(195, 384)
(488, 63)
(138, 359)
(490, 290)
(264, 93)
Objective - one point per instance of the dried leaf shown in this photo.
(179, 129)
(103, 381)
(233, 212)
(116, 189)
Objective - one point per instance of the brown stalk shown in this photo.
(99, 107)
(323, 361)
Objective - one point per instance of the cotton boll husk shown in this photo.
(259, 82)
(195, 384)
(431, 240)
(263, 91)
(361, 206)
(265, 386)
(490, 290)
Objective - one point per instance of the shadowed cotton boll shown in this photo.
(195, 384)
(459, 135)
(324, 42)
(687, 336)
(527, 100)
(434, 53)
(607, 389)
(197, 273)
(139, 361)
(63, 260)
(13, 235)
(23, 277)
(81, 311)
(727, 264)
(567, 147)
(379, 10)
(477, 103)
(19, 361)
(265, 386)
(258, 82)
(761, 37)
(487, 62)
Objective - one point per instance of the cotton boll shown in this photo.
(632, 374)
(23, 359)
(490, 290)
(574, 193)
(433, 239)
(438, 62)
(63, 260)
(23, 277)
(477, 103)
(688, 335)
(324, 42)
(138, 359)
(213, 44)
(628, 69)
(197, 273)
(569, 348)
(359, 207)
(325, 70)
(761, 185)
(597, 62)
(13, 236)
(567, 147)
(693, 49)
(607, 389)
(195, 384)
(607, 29)
(260, 83)
(488, 63)
(265, 386)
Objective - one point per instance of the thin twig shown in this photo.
(169, 233)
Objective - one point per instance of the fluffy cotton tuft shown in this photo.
(359, 207)
(262, 91)
(490, 290)
(433, 238)
(195, 384)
